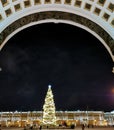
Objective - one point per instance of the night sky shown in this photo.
(73, 61)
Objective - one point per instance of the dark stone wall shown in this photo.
(60, 16)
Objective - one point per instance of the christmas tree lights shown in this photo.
(49, 117)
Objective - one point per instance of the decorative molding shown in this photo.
(58, 16)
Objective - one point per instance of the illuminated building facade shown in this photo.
(21, 119)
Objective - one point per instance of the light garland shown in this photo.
(49, 117)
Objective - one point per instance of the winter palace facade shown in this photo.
(93, 118)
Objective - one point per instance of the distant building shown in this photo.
(64, 118)
(109, 116)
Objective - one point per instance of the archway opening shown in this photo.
(69, 58)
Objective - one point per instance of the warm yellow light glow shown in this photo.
(113, 90)
(49, 117)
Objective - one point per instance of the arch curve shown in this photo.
(58, 17)
(95, 16)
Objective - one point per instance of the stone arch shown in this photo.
(95, 16)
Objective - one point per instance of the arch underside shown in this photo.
(58, 15)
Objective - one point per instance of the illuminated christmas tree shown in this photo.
(49, 117)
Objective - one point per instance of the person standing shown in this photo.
(40, 127)
(83, 127)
